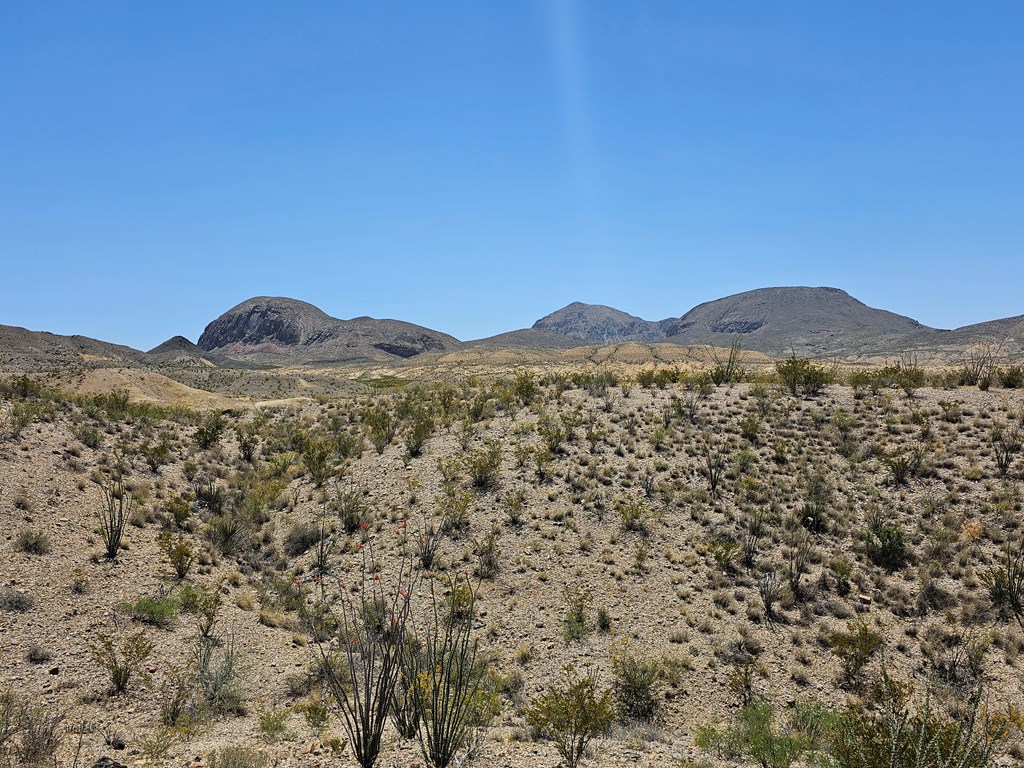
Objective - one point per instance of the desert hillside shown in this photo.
(703, 551)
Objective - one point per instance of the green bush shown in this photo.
(179, 552)
(886, 546)
(571, 713)
(855, 648)
(756, 737)
(157, 610)
(483, 466)
(635, 685)
(577, 600)
(801, 376)
(209, 432)
(894, 734)
(122, 663)
(238, 757)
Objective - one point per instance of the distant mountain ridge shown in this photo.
(776, 321)
(267, 331)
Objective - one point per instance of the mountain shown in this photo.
(598, 324)
(808, 321)
(25, 350)
(286, 331)
(776, 321)
(526, 338)
(179, 352)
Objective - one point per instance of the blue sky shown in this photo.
(473, 166)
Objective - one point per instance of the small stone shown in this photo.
(108, 762)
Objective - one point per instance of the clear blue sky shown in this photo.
(472, 166)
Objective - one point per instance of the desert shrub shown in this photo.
(248, 441)
(179, 552)
(571, 713)
(211, 496)
(158, 610)
(381, 425)
(13, 601)
(316, 458)
(726, 553)
(632, 515)
(237, 757)
(274, 724)
(210, 430)
(88, 435)
(404, 712)
(635, 685)
(713, 466)
(886, 546)
(749, 426)
(203, 603)
(1005, 583)
(30, 734)
(854, 648)
(904, 465)
(114, 513)
(756, 737)
(452, 690)
(37, 654)
(179, 508)
(217, 666)
(577, 601)
(41, 734)
(420, 430)
(483, 465)
(894, 734)
(514, 504)
(33, 543)
(362, 675)
(121, 663)
(488, 554)
(227, 534)
(1011, 377)
(19, 417)
(770, 588)
(1006, 443)
(157, 454)
(454, 509)
(800, 375)
(350, 505)
(300, 538)
(726, 370)
(427, 544)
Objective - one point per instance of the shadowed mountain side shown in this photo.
(809, 321)
(25, 350)
(285, 331)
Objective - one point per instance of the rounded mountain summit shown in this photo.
(282, 330)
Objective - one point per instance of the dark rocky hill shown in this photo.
(598, 324)
(808, 321)
(179, 352)
(287, 331)
(25, 350)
